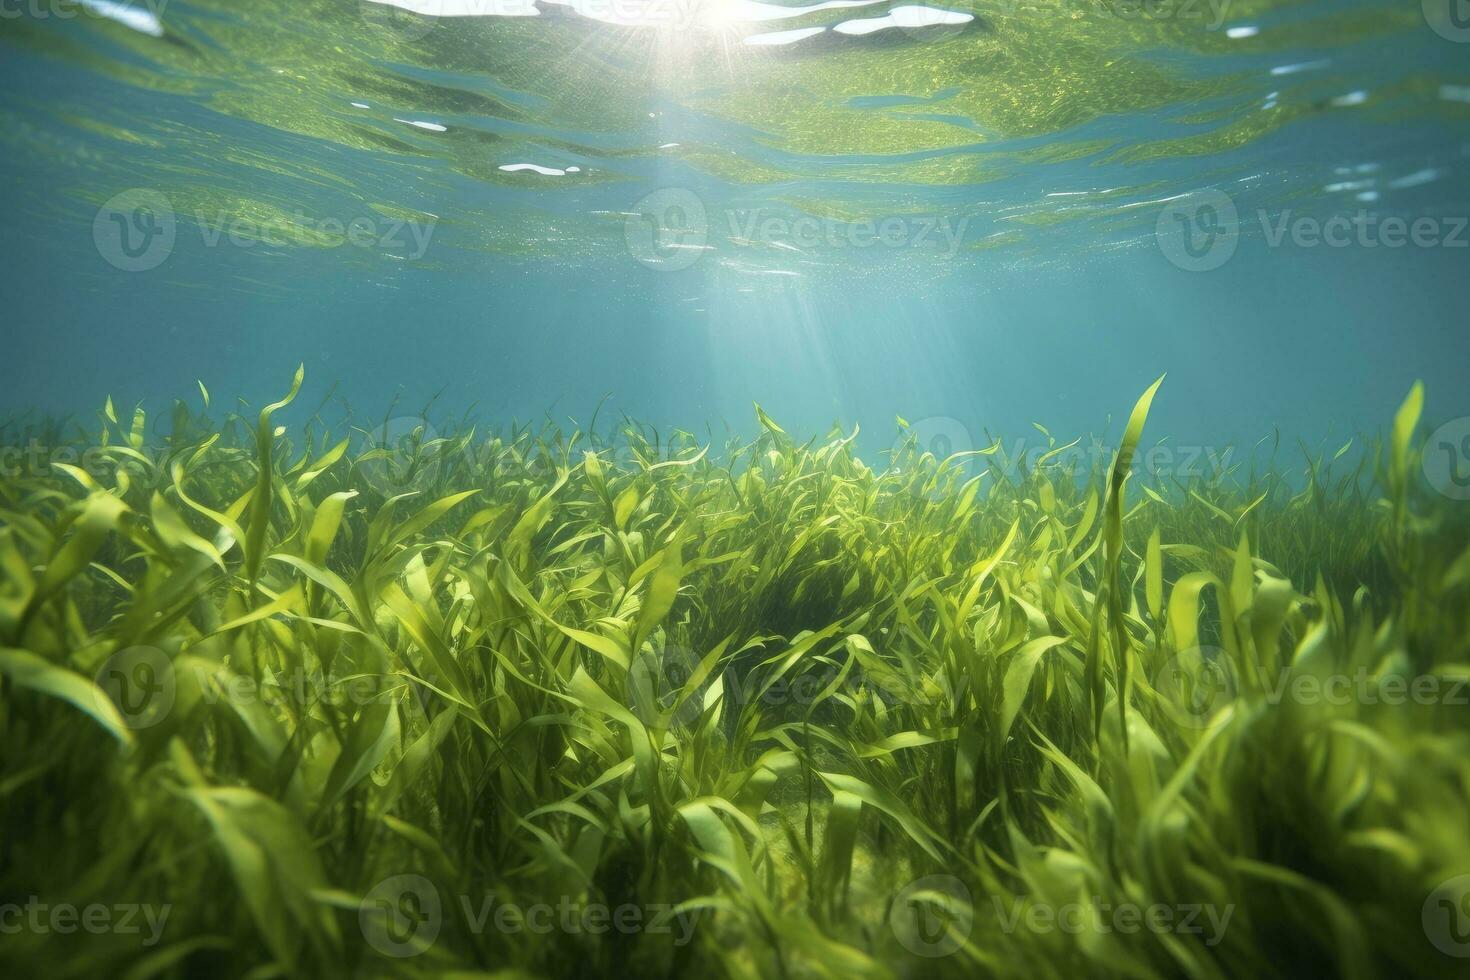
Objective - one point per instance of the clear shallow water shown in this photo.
(362, 681)
(842, 212)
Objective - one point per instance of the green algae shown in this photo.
(451, 654)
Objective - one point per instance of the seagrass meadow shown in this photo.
(553, 701)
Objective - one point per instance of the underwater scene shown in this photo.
(735, 489)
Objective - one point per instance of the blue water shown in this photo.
(532, 295)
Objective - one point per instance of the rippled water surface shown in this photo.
(531, 129)
(742, 147)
